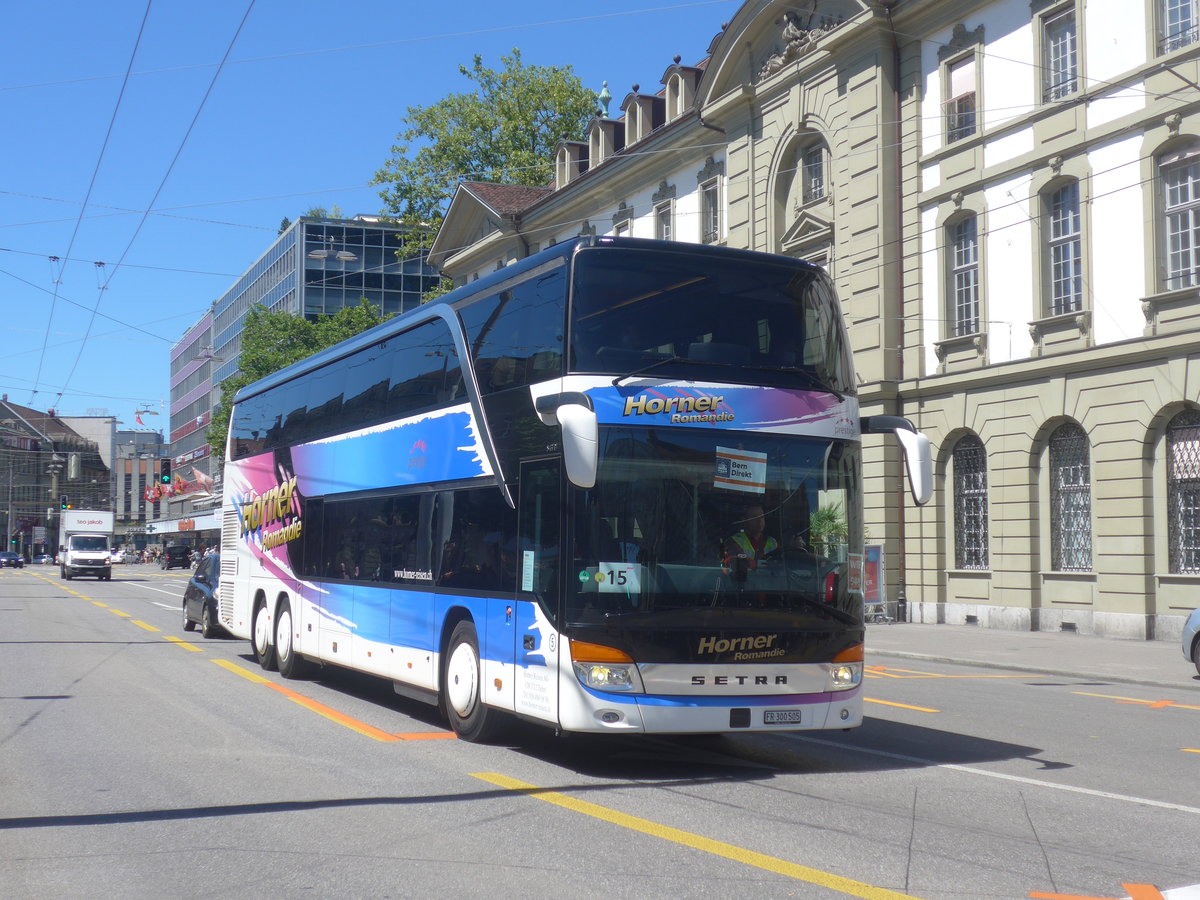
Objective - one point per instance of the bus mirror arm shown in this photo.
(575, 415)
(918, 455)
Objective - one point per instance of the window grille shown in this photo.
(1070, 500)
(1066, 255)
(970, 505)
(1181, 182)
(1183, 494)
(1180, 25)
(1061, 67)
(964, 251)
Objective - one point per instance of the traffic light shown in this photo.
(62, 502)
(164, 470)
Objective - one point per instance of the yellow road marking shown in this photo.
(241, 670)
(1190, 750)
(180, 642)
(1152, 704)
(901, 705)
(148, 627)
(99, 604)
(697, 842)
(123, 615)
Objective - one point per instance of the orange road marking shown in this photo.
(1136, 892)
(900, 705)
(1134, 701)
(329, 713)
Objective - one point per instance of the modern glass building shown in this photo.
(315, 267)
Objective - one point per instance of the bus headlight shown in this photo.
(605, 676)
(845, 672)
(843, 676)
(604, 668)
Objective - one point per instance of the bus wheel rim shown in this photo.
(283, 634)
(260, 630)
(462, 673)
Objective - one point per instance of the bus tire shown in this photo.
(260, 636)
(291, 664)
(462, 687)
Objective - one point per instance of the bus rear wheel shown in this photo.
(291, 664)
(462, 688)
(260, 637)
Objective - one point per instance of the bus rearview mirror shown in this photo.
(580, 444)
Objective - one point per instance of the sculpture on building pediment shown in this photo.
(798, 41)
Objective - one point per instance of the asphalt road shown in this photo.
(138, 760)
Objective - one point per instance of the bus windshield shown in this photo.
(761, 321)
(688, 519)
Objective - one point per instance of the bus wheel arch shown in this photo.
(261, 632)
(462, 684)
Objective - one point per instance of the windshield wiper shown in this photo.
(654, 365)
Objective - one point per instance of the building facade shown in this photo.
(1007, 195)
(45, 463)
(316, 267)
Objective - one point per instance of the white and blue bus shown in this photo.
(614, 487)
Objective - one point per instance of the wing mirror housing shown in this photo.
(918, 452)
(574, 413)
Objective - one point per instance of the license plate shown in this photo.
(781, 717)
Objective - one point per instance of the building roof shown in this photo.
(506, 199)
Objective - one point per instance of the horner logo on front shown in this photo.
(682, 409)
(759, 646)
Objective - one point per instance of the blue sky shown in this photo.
(303, 112)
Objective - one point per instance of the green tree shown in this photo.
(272, 340)
(503, 131)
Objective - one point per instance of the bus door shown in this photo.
(539, 589)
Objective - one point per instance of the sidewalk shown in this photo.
(1041, 652)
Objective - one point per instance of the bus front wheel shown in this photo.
(462, 688)
(260, 637)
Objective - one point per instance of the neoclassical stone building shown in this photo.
(1007, 195)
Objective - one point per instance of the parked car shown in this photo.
(1191, 639)
(175, 558)
(119, 555)
(44, 559)
(12, 560)
(200, 597)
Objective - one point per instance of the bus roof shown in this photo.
(565, 249)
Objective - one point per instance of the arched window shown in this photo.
(970, 504)
(1070, 500)
(1183, 493)
(1064, 249)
